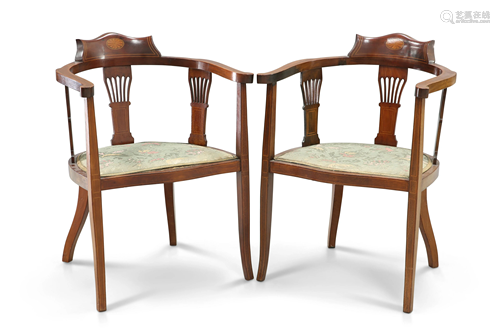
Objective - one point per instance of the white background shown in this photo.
(198, 285)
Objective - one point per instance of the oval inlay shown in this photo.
(394, 43)
(115, 43)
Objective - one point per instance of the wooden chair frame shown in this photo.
(395, 54)
(116, 54)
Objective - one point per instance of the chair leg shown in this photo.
(95, 209)
(337, 192)
(427, 233)
(169, 203)
(82, 211)
(412, 226)
(266, 207)
(243, 194)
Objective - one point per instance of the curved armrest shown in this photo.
(446, 78)
(65, 76)
(221, 70)
(299, 66)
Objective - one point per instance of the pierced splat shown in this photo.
(391, 81)
(199, 83)
(310, 84)
(118, 80)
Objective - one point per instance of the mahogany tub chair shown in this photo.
(405, 170)
(124, 163)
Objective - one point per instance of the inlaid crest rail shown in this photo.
(393, 46)
(112, 45)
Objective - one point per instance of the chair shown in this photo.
(126, 163)
(402, 169)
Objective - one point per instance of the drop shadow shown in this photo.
(341, 270)
(130, 300)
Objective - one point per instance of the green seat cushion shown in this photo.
(356, 158)
(146, 156)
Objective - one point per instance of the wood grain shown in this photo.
(116, 54)
(439, 126)
(310, 84)
(414, 204)
(391, 82)
(170, 206)
(337, 193)
(394, 54)
(267, 181)
(428, 233)
(95, 204)
(243, 180)
(199, 83)
(81, 213)
(113, 45)
(118, 81)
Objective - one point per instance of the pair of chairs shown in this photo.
(382, 165)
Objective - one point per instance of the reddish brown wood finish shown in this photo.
(116, 54)
(267, 181)
(243, 180)
(393, 46)
(440, 124)
(391, 81)
(310, 84)
(105, 51)
(337, 192)
(414, 204)
(445, 77)
(118, 80)
(199, 82)
(82, 211)
(95, 204)
(428, 233)
(112, 45)
(394, 54)
(70, 126)
(170, 206)
(157, 176)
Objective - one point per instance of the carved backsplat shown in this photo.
(118, 80)
(114, 45)
(199, 83)
(310, 84)
(395, 46)
(391, 81)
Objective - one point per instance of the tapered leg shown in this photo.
(266, 206)
(337, 191)
(95, 209)
(169, 203)
(411, 250)
(82, 211)
(427, 233)
(95, 204)
(414, 204)
(243, 193)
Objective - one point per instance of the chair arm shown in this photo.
(299, 66)
(445, 78)
(220, 69)
(65, 76)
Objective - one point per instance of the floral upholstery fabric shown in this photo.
(356, 158)
(146, 156)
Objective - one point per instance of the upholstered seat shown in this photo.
(356, 158)
(146, 156)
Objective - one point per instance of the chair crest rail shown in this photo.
(113, 49)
